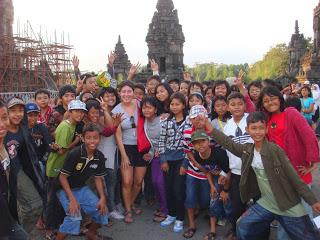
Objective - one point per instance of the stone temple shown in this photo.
(165, 40)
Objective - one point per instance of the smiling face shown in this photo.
(91, 140)
(184, 88)
(42, 100)
(110, 99)
(151, 86)
(236, 107)
(220, 107)
(194, 100)
(93, 115)
(162, 94)
(126, 94)
(4, 122)
(304, 92)
(76, 115)
(16, 114)
(174, 86)
(138, 93)
(257, 131)
(149, 111)
(220, 90)
(67, 98)
(271, 104)
(201, 145)
(254, 93)
(32, 118)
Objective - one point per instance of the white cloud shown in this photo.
(229, 31)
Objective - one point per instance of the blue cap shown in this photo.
(32, 107)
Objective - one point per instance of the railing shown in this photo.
(26, 96)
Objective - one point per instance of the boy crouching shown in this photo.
(83, 162)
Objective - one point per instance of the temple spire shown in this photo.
(297, 27)
(164, 5)
(119, 39)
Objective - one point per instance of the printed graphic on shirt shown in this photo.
(12, 147)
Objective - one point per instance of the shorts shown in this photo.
(135, 157)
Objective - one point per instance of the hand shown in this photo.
(222, 180)
(182, 171)
(54, 146)
(133, 70)
(74, 207)
(111, 58)
(213, 192)
(164, 116)
(154, 65)
(165, 167)
(239, 80)
(157, 154)
(80, 84)
(125, 163)
(103, 104)
(75, 62)
(303, 170)
(204, 121)
(117, 119)
(102, 206)
(224, 196)
(316, 207)
(147, 157)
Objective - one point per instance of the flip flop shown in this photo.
(128, 217)
(189, 233)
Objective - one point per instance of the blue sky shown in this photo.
(228, 31)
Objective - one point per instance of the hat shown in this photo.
(199, 135)
(15, 101)
(198, 110)
(306, 82)
(77, 105)
(32, 107)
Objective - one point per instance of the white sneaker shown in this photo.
(169, 220)
(116, 215)
(222, 222)
(178, 226)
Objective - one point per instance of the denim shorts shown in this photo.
(88, 203)
(197, 192)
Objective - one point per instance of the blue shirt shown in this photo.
(306, 104)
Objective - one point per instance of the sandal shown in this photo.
(210, 236)
(189, 233)
(128, 217)
(137, 211)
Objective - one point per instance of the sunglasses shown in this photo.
(133, 124)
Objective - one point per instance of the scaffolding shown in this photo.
(28, 61)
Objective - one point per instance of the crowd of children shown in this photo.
(243, 154)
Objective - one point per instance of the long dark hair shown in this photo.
(111, 90)
(308, 88)
(270, 91)
(214, 115)
(221, 82)
(180, 97)
(164, 106)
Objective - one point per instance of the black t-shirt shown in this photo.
(80, 168)
(16, 148)
(218, 160)
(41, 139)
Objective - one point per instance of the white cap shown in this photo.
(306, 82)
(77, 105)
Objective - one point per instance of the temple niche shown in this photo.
(122, 63)
(165, 41)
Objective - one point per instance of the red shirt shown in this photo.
(45, 118)
(276, 129)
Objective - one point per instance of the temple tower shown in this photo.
(165, 40)
(122, 63)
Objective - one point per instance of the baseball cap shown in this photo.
(306, 82)
(77, 105)
(15, 101)
(32, 107)
(199, 135)
(197, 110)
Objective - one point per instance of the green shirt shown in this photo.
(267, 199)
(63, 135)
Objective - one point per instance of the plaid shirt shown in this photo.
(171, 135)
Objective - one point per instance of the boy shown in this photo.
(9, 227)
(63, 138)
(42, 98)
(267, 175)
(216, 163)
(83, 162)
(236, 129)
(25, 173)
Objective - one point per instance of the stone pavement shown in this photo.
(145, 229)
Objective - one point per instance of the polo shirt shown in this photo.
(79, 168)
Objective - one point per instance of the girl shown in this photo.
(221, 87)
(195, 87)
(254, 89)
(208, 95)
(163, 93)
(184, 86)
(133, 167)
(171, 158)
(290, 130)
(220, 114)
(196, 99)
(149, 110)
(307, 103)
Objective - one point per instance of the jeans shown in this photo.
(282, 234)
(17, 233)
(112, 183)
(218, 209)
(256, 221)
(88, 203)
(175, 190)
(238, 207)
(158, 184)
(197, 192)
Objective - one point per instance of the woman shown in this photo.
(289, 129)
(163, 93)
(133, 167)
(307, 103)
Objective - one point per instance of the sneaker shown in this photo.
(169, 220)
(222, 222)
(178, 226)
(116, 215)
